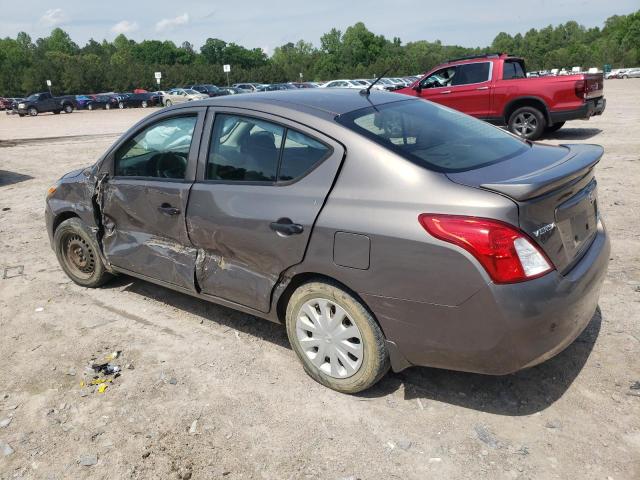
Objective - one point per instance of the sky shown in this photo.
(267, 24)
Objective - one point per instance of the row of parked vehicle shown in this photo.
(623, 73)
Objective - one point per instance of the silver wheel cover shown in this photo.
(329, 338)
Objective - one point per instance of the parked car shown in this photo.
(102, 102)
(82, 101)
(207, 89)
(45, 102)
(181, 95)
(5, 103)
(252, 87)
(304, 84)
(632, 73)
(132, 100)
(495, 88)
(341, 84)
(275, 86)
(222, 91)
(269, 210)
(366, 83)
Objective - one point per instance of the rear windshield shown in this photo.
(433, 136)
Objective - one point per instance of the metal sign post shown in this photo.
(226, 69)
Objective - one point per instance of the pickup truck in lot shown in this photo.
(495, 88)
(45, 102)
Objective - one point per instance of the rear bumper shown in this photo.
(589, 109)
(502, 328)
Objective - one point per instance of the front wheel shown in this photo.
(527, 122)
(625, 76)
(554, 128)
(68, 109)
(33, 111)
(90, 106)
(77, 253)
(144, 104)
(56, 112)
(339, 343)
(168, 103)
(120, 105)
(107, 106)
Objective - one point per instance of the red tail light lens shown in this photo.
(581, 88)
(505, 252)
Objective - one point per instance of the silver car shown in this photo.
(382, 230)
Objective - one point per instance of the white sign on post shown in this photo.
(300, 74)
(226, 68)
(48, 83)
(158, 75)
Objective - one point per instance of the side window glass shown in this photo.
(244, 149)
(161, 150)
(440, 78)
(471, 73)
(512, 70)
(300, 154)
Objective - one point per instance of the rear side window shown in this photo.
(248, 149)
(434, 136)
(471, 73)
(512, 69)
(161, 150)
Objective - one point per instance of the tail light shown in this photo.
(581, 88)
(505, 252)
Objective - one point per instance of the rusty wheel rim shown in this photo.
(78, 255)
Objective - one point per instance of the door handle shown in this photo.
(482, 88)
(285, 226)
(167, 209)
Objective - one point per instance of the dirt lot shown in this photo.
(213, 393)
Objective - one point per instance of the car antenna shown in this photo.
(367, 91)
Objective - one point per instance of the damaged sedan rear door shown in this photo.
(144, 197)
(261, 183)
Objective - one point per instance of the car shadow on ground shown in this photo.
(9, 178)
(522, 393)
(569, 133)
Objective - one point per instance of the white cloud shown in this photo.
(125, 26)
(171, 23)
(53, 17)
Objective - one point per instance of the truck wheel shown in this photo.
(336, 338)
(77, 252)
(168, 103)
(33, 111)
(120, 105)
(554, 128)
(56, 112)
(68, 109)
(144, 104)
(527, 122)
(21, 114)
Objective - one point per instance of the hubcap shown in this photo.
(78, 255)
(329, 338)
(525, 124)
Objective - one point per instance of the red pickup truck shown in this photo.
(495, 88)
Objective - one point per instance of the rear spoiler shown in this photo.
(577, 163)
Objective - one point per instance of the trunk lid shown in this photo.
(556, 193)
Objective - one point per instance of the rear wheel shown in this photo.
(78, 255)
(56, 112)
(68, 109)
(527, 122)
(336, 338)
(90, 106)
(120, 105)
(33, 111)
(144, 104)
(107, 106)
(625, 76)
(554, 128)
(168, 103)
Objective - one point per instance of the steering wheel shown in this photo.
(170, 165)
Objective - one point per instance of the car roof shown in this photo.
(318, 102)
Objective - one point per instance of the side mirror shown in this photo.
(417, 87)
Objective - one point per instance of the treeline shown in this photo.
(124, 64)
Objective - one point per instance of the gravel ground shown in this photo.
(212, 393)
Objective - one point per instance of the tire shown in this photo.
(625, 76)
(33, 111)
(107, 106)
(68, 109)
(371, 358)
(90, 106)
(21, 115)
(77, 253)
(168, 103)
(144, 104)
(56, 112)
(527, 122)
(554, 128)
(120, 105)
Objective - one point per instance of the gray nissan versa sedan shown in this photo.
(381, 230)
